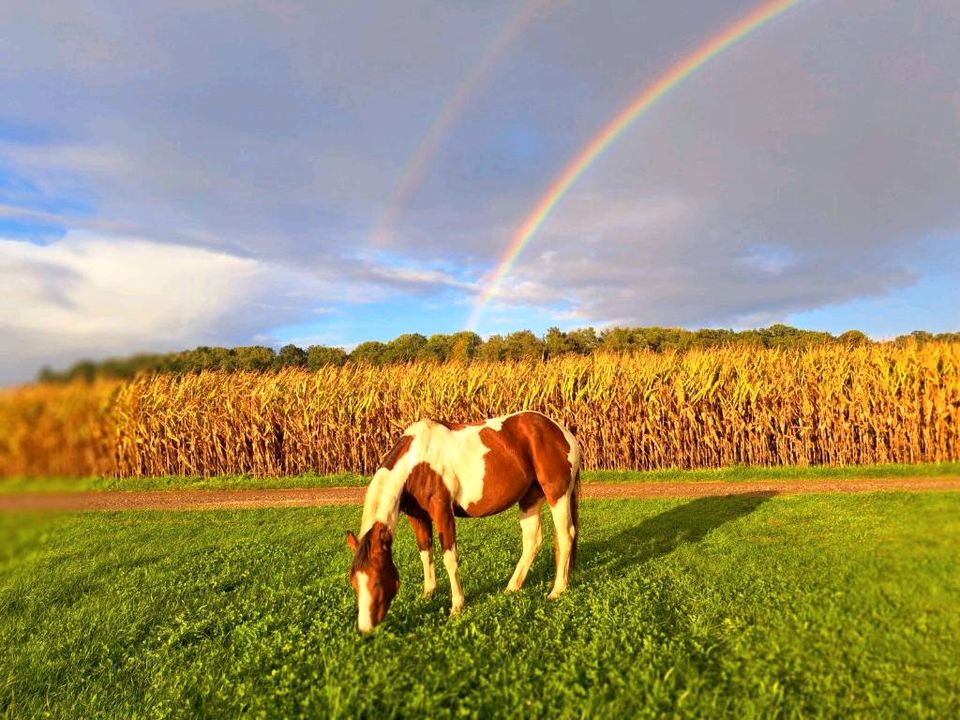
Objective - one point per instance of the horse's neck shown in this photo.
(382, 502)
(431, 444)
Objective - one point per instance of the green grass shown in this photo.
(753, 473)
(248, 482)
(178, 482)
(742, 606)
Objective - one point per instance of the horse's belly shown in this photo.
(495, 498)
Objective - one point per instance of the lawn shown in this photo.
(738, 606)
(250, 482)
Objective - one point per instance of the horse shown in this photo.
(438, 471)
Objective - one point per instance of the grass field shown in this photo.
(250, 482)
(737, 606)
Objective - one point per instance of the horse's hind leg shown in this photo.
(557, 465)
(532, 533)
(423, 530)
(565, 530)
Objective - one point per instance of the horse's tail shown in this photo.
(575, 517)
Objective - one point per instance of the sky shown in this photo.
(217, 173)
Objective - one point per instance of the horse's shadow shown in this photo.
(654, 537)
(663, 533)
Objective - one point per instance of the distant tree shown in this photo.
(786, 337)
(225, 359)
(465, 346)
(206, 358)
(438, 347)
(85, 370)
(657, 339)
(649, 338)
(556, 343)
(404, 348)
(707, 338)
(523, 345)
(291, 356)
(253, 357)
(319, 356)
(370, 352)
(583, 341)
(750, 338)
(853, 337)
(493, 348)
(617, 339)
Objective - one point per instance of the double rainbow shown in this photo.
(416, 168)
(609, 134)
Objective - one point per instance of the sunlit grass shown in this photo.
(737, 606)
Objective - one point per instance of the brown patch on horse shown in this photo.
(422, 529)
(398, 451)
(532, 498)
(508, 472)
(528, 449)
(426, 494)
(548, 449)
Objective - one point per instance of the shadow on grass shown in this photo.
(663, 533)
(655, 537)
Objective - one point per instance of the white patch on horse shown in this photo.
(429, 574)
(382, 501)
(565, 531)
(450, 561)
(364, 603)
(573, 455)
(460, 459)
(467, 454)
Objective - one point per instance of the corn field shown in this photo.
(831, 405)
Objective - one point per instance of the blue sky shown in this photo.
(176, 174)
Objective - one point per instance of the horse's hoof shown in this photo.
(510, 590)
(554, 595)
(455, 611)
(427, 594)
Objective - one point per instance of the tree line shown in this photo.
(463, 346)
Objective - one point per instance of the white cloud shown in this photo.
(796, 170)
(86, 294)
(84, 285)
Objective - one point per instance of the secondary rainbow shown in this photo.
(608, 135)
(416, 168)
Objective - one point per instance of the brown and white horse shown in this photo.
(440, 470)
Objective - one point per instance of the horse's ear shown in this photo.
(352, 541)
(386, 537)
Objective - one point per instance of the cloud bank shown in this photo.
(179, 173)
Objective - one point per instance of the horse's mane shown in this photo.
(362, 555)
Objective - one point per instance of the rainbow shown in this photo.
(647, 98)
(416, 167)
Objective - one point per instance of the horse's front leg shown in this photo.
(443, 518)
(423, 530)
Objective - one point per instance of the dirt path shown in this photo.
(311, 497)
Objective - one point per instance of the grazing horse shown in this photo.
(440, 470)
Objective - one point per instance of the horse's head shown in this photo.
(373, 575)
